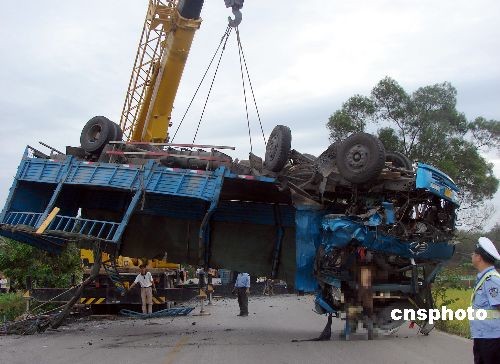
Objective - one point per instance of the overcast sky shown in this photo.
(63, 62)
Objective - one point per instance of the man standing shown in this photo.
(242, 288)
(146, 282)
(486, 296)
(4, 284)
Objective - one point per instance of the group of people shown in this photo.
(146, 282)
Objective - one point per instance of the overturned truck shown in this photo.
(365, 229)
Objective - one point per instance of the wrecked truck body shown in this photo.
(364, 229)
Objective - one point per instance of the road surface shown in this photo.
(222, 337)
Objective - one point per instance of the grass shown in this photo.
(461, 299)
(12, 305)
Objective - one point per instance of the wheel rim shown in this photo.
(357, 156)
(95, 133)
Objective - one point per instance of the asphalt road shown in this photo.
(222, 337)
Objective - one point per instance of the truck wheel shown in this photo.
(399, 160)
(278, 148)
(360, 158)
(118, 132)
(96, 134)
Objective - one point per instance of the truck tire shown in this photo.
(278, 148)
(398, 160)
(118, 135)
(97, 133)
(360, 158)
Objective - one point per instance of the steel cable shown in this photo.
(240, 46)
(226, 34)
(212, 84)
(244, 88)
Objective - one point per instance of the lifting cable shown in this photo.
(243, 64)
(242, 56)
(212, 84)
(222, 41)
(244, 88)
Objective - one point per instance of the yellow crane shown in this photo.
(163, 49)
(165, 42)
(164, 45)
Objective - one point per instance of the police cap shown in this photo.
(486, 249)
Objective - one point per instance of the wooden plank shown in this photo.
(48, 220)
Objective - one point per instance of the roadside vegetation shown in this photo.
(20, 261)
(457, 299)
(12, 305)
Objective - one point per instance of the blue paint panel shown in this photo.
(338, 232)
(30, 196)
(41, 170)
(103, 174)
(307, 240)
(436, 182)
(183, 183)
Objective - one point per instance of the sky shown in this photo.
(63, 62)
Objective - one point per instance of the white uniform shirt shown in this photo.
(144, 280)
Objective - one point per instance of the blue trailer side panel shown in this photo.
(307, 239)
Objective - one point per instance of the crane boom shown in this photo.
(163, 49)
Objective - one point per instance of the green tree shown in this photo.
(19, 260)
(426, 126)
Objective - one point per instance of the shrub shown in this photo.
(12, 305)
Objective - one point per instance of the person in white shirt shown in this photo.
(145, 280)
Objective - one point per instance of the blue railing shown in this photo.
(23, 218)
(104, 230)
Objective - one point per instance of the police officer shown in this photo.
(486, 296)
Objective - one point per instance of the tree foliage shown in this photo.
(19, 260)
(426, 126)
(466, 243)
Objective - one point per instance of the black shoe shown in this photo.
(243, 314)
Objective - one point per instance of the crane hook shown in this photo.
(236, 5)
